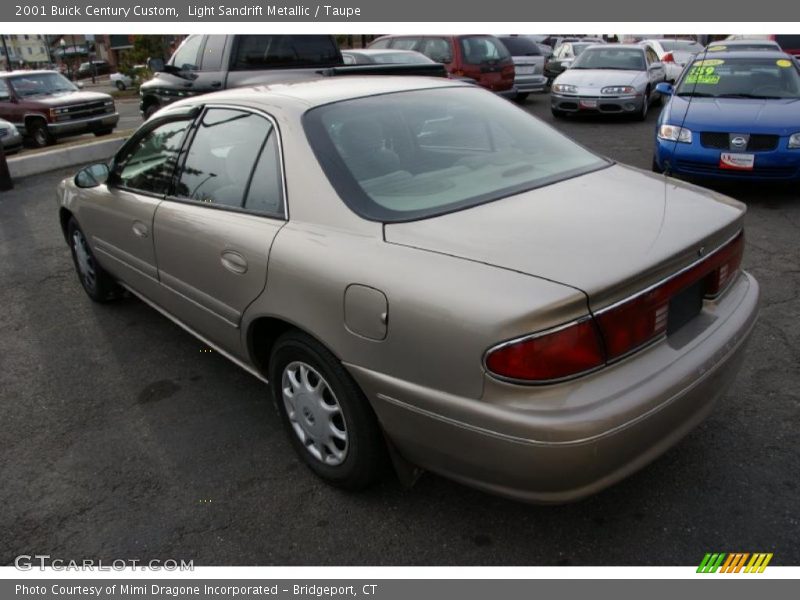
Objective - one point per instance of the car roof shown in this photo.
(745, 42)
(325, 90)
(379, 51)
(636, 46)
(776, 54)
(31, 72)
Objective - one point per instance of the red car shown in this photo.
(481, 58)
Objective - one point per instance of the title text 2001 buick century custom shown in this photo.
(416, 264)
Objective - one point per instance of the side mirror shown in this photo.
(79, 85)
(665, 88)
(92, 176)
(156, 65)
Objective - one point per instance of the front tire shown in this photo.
(327, 417)
(642, 114)
(96, 282)
(120, 85)
(558, 114)
(151, 110)
(40, 134)
(521, 97)
(102, 132)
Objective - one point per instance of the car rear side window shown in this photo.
(148, 166)
(212, 53)
(221, 157)
(437, 49)
(276, 51)
(265, 194)
(481, 49)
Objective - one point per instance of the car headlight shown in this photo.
(674, 133)
(794, 140)
(618, 90)
(566, 88)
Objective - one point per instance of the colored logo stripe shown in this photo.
(734, 562)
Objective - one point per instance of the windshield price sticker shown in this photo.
(703, 75)
(717, 48)
(782, 62)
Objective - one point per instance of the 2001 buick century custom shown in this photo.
(419, 266)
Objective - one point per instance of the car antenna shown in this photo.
(688, 107)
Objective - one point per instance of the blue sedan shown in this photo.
(732, 115)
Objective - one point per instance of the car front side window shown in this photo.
(149, 165)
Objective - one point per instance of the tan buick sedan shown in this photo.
(424, 272)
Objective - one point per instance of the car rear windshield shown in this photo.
(788, 42)
(521, 46)
(767, 78)
(624, 59)
(681, 46)
(410, 155)
(36, 84)
(285, 51)
(480, 49)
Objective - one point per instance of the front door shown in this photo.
(120, 214)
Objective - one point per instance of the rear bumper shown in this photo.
(530, 83)
(12, 143)
(559, 443)
(597, 104)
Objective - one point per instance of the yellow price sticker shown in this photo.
(783, 63)
(709, 62)
(717, 48)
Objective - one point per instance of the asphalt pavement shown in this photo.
(121, 438)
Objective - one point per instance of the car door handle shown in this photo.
(234, 262)
(139, 229)
(216, 84)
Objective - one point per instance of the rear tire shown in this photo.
(96, 282)
(316, 396)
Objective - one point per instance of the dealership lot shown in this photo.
(125, 438)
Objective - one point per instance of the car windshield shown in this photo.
(37, 84)
(410, 155)
(681, 46)
(623, 59)
(765, 78)
(577, 49)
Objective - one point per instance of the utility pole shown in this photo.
(5, 53)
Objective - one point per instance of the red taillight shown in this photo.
(555, 354)
(634, 322)
(668, 58)
(579, 347)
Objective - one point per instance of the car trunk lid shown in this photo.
(611, 233)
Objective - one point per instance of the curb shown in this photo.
(59, 158)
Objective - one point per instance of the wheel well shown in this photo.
(64, 216)
(30, 119)
(149, 101)
(261, 338)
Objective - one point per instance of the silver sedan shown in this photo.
(609, 79)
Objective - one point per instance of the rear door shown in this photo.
(214, 231)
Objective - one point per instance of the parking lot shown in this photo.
(123, 438)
